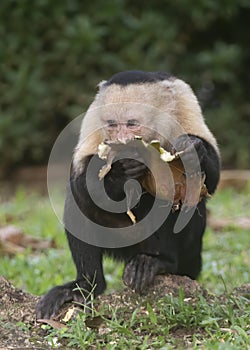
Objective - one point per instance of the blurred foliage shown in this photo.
(53, 53)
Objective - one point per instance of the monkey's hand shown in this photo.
(122, 171)
(193, 152)
(128, 169)
(49, 305)
(139, 273)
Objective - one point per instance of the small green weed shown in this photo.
(167, 323)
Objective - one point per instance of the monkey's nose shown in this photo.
(124, 137)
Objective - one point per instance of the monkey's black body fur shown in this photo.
(162, 252)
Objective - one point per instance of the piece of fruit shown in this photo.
(166, 179)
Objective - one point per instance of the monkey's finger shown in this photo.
(130, 163)
(129, 274)
(139, 273)
(135, 172)
(148, 276)
(181, 143)
(191, 146)
(145, 273)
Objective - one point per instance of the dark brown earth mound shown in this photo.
(20, 330)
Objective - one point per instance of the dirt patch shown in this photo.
(17, 319)
(163, 285)
(19, 329)
(18, 326)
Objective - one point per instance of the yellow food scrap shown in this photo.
(131, 216)
(103, 150)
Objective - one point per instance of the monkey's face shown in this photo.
(123, 131)
(126, 112)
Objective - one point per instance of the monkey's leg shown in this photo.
(190, 243)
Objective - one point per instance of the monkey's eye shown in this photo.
(112, 123)
(132, 123)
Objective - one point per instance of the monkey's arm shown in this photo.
(88, 262)
(89, 280)
(199, 155)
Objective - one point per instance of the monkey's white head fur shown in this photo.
(166, 109)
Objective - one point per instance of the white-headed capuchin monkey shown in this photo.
(152, 106)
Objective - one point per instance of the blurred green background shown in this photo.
(53, 54)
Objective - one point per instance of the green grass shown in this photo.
(167, 323)
(226, 254)
(217, 324)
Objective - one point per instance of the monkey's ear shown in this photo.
(101, 84)
(168, 83)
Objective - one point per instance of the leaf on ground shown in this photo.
(69, 314)
(13, 241)
(52, 323)
(94, 322)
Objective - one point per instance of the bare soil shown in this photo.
(16, 307)
(19, 328)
